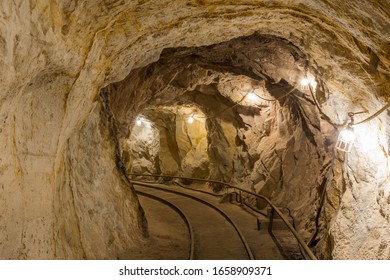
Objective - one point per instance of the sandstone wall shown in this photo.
(356, 216)
(97, 213)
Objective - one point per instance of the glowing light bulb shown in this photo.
(347, 135)
(345, 140)
(251, 96)
(138, 122)
(305, 84)
(190, 120)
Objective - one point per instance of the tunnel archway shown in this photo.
(264, 132)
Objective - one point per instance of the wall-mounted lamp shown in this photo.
(346, 138)
(306, 82)
(190, 119)
(251, 97)
(347, 135)
(142, 121)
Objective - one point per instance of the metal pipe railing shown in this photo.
(274, 207)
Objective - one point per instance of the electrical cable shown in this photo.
(279, 98)
(219, 113)
(384, 108)
(326, 117)
(228, 108)
(244, 97)
(330, 167)
(351, 114)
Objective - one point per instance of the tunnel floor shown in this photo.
(213, 236)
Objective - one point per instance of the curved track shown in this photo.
(181, 214)
(216, 235)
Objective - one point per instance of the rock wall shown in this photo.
(192, 143)
(86, 210)
(356, 216)
(97, 213)
(141, 150)
(29, 135)
(166, 144)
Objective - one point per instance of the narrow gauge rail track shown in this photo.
(181, 214)
(213, 239)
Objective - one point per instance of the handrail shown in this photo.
(274, 207)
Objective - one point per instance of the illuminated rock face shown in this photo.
(165, 143)
(56, 57)
(246, 130)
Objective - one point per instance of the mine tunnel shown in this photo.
(195, 130)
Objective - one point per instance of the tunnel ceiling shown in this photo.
(214, 78)
(96, 44)
(279, 65)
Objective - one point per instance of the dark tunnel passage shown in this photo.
(233, 112)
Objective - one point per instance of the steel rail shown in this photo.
(242, 238)
(297, 236)
(181, 214)
(201, 191)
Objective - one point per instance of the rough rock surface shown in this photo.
(97, 212)
(266, 145)
(56, 55)
(140, 151)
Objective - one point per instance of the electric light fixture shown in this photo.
(251, 96)
(142, 121)
(345, 140)
(306, 83)
(190, 119)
